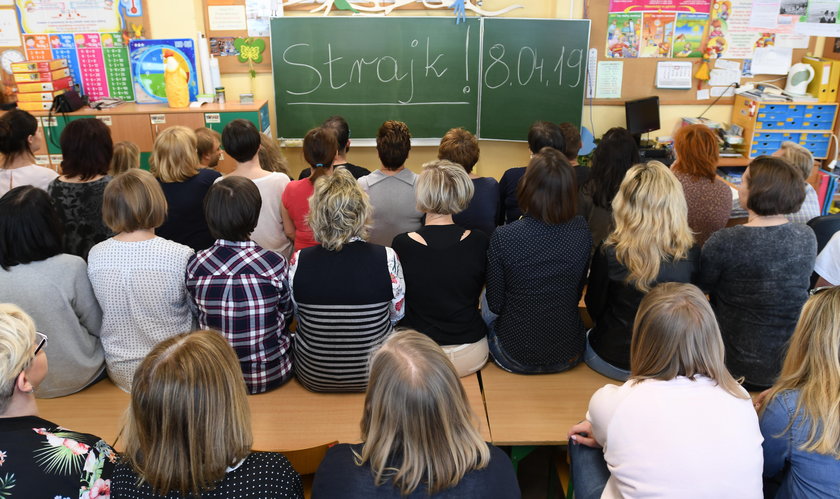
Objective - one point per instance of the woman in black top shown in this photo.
(444, 267)
(651, 243)
(536, 268)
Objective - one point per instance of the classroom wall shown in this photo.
(184, 18)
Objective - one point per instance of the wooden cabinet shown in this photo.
(141, 123)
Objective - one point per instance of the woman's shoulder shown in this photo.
(258, 462)
(207, 175)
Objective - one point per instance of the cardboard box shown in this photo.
(39, 96)
(41, 66)
(43, 76)
(46, 86)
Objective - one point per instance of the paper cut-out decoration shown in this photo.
(383, 10)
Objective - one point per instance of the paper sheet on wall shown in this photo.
(740, 38)
(9, 31)
(608, 83)
(724, 77)
(722, 91)
(792, 40)
(703, 94)
(772, 60)
(764, 13)
(727, 64)
(227, 17)
(820, 20)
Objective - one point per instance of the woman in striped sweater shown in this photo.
(348, 293)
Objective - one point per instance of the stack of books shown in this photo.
(39, 82)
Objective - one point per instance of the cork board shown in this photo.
(230, 63)
(639, 78)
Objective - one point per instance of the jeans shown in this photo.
(589, 471)
(600, 365)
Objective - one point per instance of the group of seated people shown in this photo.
(309, 278)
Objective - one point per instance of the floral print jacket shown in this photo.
(41, 459)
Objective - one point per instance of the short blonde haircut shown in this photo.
(799, 157)
(812, 367)
(126, 156)
(17, 337)
(189, 417)
(339, 210)
(651, 222)
(133, 201)
(676, 334)
(418, 426)
(271, 158)
(175, 155)
(443, 188)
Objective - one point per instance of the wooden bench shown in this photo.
(287, 418)
(537, 409)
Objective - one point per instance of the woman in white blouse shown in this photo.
(681, 426)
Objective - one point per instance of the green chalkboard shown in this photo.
(423, 71)
(492, 76)
(532, 69)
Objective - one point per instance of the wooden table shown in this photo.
(287, 418)
(537, 409)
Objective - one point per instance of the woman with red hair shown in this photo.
(708, 198)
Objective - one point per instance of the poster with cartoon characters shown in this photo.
(69, 16)
(695, 6)
(623, 35)
(657, 34)
(688, 35)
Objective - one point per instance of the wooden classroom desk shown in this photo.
(288, 418)
(537, 409)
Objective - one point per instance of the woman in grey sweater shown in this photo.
(758, 274)
(52, 287)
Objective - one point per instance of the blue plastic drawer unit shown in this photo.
(809, 125)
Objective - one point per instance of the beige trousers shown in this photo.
(469, 357)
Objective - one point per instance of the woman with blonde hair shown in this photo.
(40, 458)
(188, 428)
(443, 252)
(801, 159)
(800, 414)
(681, 426)
(271, 157)
(418, 432)
(348, 293)
(651, 243)
(126, 156)
(174, 162)
(137, 276)
(708, 198)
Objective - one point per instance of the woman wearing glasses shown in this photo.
(39, 457)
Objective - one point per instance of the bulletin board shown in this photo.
(222, 40)
(639, 79)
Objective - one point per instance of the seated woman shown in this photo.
(758, 274)
(20, 139)
(651, 243)
(126, 156)
(445, 267)
(190, 386)
(319, 148)
(536, 268)
(348, 293)
(827, 264)
(681, 426)
(40, 458)
(616, 153)
(52, 287)
(799, 415)
(241, 289)
(137, 276)
(87, 149)
(174, 162)
(708, 198)
(418, 433)
(391, 188)
(483, 212)
(801, 159)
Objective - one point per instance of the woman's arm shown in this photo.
(288, 223)
(778, 438)
(397, 308)
(84, 302)
(596, 291)
(495, 276)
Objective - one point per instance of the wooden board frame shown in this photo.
(231, 64)
(640, 73)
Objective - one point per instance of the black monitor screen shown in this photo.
(642, 115)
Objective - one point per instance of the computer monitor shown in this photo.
(642, 116)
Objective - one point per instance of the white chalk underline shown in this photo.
(376, 103)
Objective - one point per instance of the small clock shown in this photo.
(10, 56)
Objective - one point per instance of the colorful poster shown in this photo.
(117, 66)
(64, 47)
(37, 47)
(657, 34)
(688, 35)
(701, 6)
(49, 16)
(92, 65)
(623, 35)
(149, 70)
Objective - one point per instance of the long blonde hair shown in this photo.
(651, 222)
(189, 418)
(175, 155)
(418, 426)
(676, 334)
(812, 366)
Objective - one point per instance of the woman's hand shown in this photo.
(581, 433)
